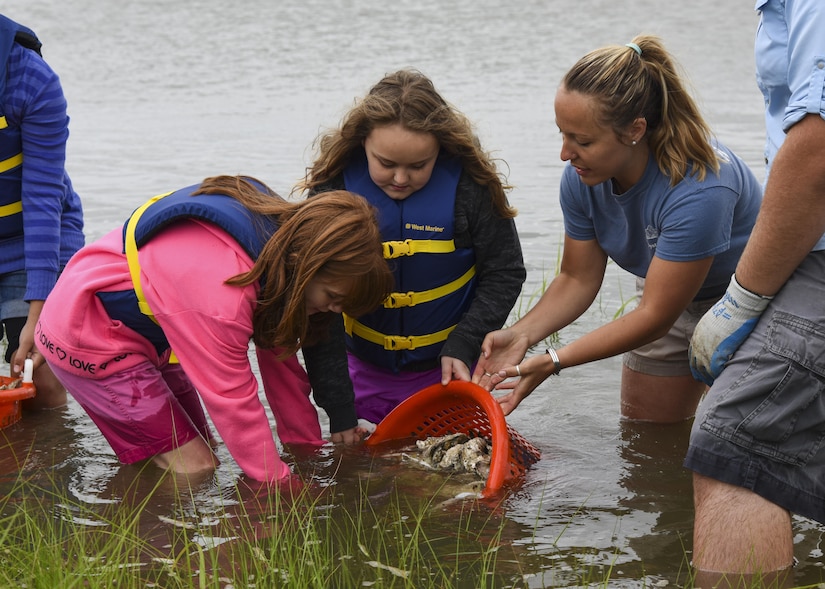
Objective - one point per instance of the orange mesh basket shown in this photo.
(10, 409)
(461, 407)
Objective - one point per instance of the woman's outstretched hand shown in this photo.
(521, 380)
(500, 349)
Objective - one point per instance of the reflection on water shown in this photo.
(162, 94)
(657, 486)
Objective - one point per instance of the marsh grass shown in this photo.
(309, 538)
(255, 539)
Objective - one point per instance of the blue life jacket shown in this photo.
(249, 229)
(435, 282)
(11, 145)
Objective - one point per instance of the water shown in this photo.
(162, 94)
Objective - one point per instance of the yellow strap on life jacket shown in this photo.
(6, 165)
(410, 299)
(134, 264)
(394, 342)
(3, 123)
(11, 162)
(12, 209)
(409, 247)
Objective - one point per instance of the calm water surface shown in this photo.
(162, 94)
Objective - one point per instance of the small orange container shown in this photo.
(461, 407)
(10, 406)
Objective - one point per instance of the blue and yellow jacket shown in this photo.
(11, 147)
(249, 229)
(435, 281)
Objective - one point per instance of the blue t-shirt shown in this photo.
(690, 221)
(792, 83)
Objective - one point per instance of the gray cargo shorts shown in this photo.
(762, 424)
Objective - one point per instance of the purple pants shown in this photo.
(378, 390)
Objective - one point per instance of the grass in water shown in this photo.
(255, 538)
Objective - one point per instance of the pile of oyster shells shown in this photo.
(457, 452)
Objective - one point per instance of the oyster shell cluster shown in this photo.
(459, 452)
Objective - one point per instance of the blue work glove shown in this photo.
(722, 330)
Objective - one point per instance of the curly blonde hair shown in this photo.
(409, 98)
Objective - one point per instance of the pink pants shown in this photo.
(141, 411)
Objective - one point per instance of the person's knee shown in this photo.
(658, 399)
(737, 531)
(194, 457)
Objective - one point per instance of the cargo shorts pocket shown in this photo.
(776, 408)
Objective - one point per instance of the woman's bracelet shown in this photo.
(555, 357)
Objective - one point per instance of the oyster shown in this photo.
(458, 452)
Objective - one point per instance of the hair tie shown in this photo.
(634, 47)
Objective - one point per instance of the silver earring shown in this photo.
(633, 142)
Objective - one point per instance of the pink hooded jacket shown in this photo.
(208, 325)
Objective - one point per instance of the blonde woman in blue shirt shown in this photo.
(648, 187)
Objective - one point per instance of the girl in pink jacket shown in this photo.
(157, 316)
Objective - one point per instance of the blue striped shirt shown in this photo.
(52, 212)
